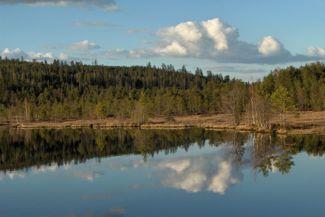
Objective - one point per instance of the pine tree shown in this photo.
(282, 102)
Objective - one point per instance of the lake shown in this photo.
(139, 173)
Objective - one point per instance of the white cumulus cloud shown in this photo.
(173, 49)
(187, 31)
(270, 46)
(216, 40)
(220, 33)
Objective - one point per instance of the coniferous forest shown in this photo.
(33, 91)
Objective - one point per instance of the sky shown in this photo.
(245, 39)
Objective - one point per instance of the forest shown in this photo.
(40, 91)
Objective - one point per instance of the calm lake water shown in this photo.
(110, 173)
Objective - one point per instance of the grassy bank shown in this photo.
(303, 123)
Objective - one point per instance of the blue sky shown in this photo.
(241, 38)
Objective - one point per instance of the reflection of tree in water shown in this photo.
(238, 142)
(268, 154)
(272, 152)
(312, 144)
(25, 148)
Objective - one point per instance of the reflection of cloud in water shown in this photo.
(88, 175)
(43, 169)
(33, 170)
(177, 166)
(113, 212)
(12, 175)
(23, 173)
(117, 211)
(227, 175)
(85, 175)
(212, 172)
(195, 172)
(192, 181)
(96, 197)
(120, 164)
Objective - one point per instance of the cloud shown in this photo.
(106, 5)
(84, 46)
(270, 46)
(63, 56)
(30, 56)
(245, 72)
(174, 48)
(187, 31)
(137, 30)
(218, 41)
(77, 51)
(316, 52)
(13, 54)
(93, 24)
(41, 56)
(239, 68)
(220, 33)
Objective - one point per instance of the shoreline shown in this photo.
(305, 123)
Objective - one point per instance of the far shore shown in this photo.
(303, 123)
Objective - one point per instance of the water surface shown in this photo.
(102, 173)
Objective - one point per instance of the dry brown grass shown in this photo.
(303, 123)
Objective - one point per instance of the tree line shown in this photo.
(33, 91)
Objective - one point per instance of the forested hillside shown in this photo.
(31, 91)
